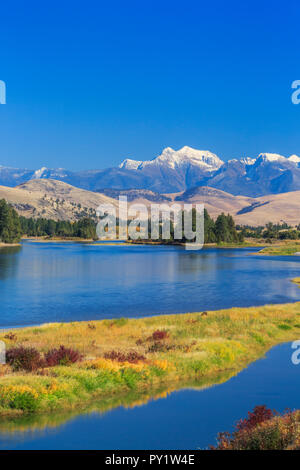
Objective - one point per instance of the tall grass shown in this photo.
(121, 356)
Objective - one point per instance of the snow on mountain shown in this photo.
(271, 157)
(46, 173)
(39, 173)
(129, 164)
(248, 160)
(294, 158)
(173, 159)
(178, 170)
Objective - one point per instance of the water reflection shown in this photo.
(29, 424)
(165, 418)
(52, 282)
(9, 261)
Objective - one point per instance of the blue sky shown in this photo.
(91, 83)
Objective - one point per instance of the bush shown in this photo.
(22, 358)
(25, 401)
(159, 346)
(62, 357)
(283, 326)
(258, 431)
(11, 336)
(19, 397)
(258, 415)
(132, 356)
(159, 335)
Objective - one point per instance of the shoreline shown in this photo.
(290, 249)
(191, 347)
(57, 239)
(9, 245)
(117, 242)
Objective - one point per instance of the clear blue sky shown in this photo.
(92, 82)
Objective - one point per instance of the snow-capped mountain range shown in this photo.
(173, 159)
(179, 170)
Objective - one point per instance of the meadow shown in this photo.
(285, 249)
(65, 366)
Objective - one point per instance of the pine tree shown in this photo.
(10, 226)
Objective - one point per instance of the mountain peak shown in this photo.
(171, 158)
(39, 173)
(294, 158)
(271, 157)
(129, 164)
(205, 159)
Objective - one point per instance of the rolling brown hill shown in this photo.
(276, 208)
(53, 200)
(61, 201)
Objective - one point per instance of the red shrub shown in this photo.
(11, 336)
(159, 335)
(258, 415)
(62, 357)
(248, 435)
(132, 356)
(22, 358)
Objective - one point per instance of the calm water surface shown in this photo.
(64, 282)
(187, 419)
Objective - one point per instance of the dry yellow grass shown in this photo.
(197, 348)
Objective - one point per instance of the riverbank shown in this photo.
(251, 243)
(287, 249)
(58, 239)
(246, 244)
(8, 245)
(136, 355)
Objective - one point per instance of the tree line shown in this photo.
(13, 226)
(272, 231)
(223, 229)
(83, 228)
(10, 225)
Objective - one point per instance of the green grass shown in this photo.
(197, 348)
(281, 250)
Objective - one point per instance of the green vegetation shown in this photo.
(13, 226)
(263, 429)
(128, 399)
(117, 357)
(281, 250)
(84, 228)
(271, 232)
(10, 227)
(222, 230)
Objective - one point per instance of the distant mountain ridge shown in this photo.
(57, 200)
(176, 171)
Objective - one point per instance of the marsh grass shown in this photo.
(196, 348)
(281, 250)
